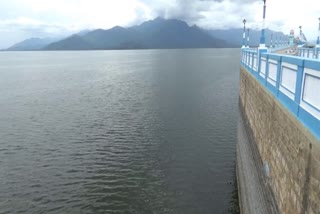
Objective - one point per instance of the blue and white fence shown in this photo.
(278, 47)
(309, 53)
(294, 81)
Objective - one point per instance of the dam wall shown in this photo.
(280, 107)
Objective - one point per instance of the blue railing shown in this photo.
(313, 53)
(294, 81)
(278, 47)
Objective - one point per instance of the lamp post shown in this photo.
(262, 46)
(248, 38)
(262, 38)
(271, 42)
(318, 40)
(244, 34)
(300, 36)
(317, 50)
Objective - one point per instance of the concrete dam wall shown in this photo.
(278, 157)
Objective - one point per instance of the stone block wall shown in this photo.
(286, 147)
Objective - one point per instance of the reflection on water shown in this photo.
(118, 131)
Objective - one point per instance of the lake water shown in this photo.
(146, 131)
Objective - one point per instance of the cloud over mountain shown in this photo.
(21, 19)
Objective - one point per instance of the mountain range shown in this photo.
(235, 36)
(32, 44)
(154, 34)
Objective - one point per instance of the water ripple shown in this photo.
(118, 131)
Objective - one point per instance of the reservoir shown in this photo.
(137, 131)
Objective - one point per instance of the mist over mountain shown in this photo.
(32, 44)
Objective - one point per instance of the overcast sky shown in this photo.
(21, 19)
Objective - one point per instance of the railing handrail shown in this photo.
(309, 52)
(293, 80)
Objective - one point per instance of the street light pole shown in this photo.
(262, 46)
(262, 38)
(300, 27)
(244, 34)
(300, 36)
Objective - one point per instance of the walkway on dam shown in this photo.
(254, 193)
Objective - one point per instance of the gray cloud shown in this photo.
(210, 14)
(187, 10)
(206, 13)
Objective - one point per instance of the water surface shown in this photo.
(147, 131)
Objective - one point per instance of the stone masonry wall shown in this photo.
(285, 145)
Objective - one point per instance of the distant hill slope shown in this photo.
(154, 34)
(235, 36)
(157, 33)
(34, 44)
(31, 44)
(160, 33)
(74, 42)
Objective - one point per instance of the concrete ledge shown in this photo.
(255, 195)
